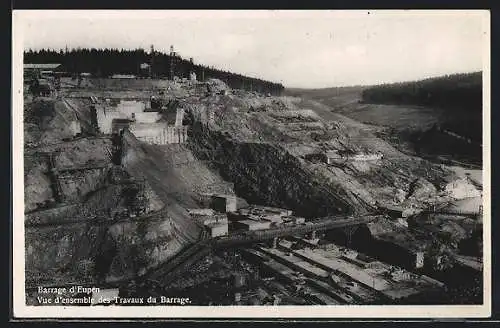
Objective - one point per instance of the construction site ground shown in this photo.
(239, 142)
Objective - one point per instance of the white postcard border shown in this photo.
(21, 310)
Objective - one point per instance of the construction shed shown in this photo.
(47, 68)
(250, 225)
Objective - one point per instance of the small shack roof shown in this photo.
(42, 66)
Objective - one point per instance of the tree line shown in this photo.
(107, 62)
(458, 96)
(458, 91)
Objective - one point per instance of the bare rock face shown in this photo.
(37, 189)
(267, 174)
(130, 248)
(61, 253)
(87, 252)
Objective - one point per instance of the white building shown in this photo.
(332, 156)
(251, 225)
(75, 127)
(217, 229)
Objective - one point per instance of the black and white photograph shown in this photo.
(251, 163)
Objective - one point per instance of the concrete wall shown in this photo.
(105, 119)
(218, 230)
(252, 225)
(124, 109)
(179, 116)
(128, 107)
(159, 134)
(231, 204)
(146, 117)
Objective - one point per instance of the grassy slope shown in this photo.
(407, 125)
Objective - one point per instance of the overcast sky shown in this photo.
(310, 49)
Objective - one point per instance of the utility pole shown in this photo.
(151, 64)
(172, 62)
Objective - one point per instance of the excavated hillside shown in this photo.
(77, 195)
(265, 173)
(263, 149)
(265, 144)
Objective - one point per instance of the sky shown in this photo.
(304, 49)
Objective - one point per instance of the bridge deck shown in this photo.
(318, 225)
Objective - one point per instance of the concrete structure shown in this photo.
(274, 219)
(179, 116)
(146, 117)
(299, 220)
(332, 156)
(192, 76)
(296, 220)
(105, 120)
(123, 76)
(159, 133)
(391, 281)
(129, 107)
(75, 127)
(217, 229)
(251, 225)
(200, 211)
(212, 219)
(275, 216)
(322, 224)
(118, 124)
(265, 211)
(125, 109)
